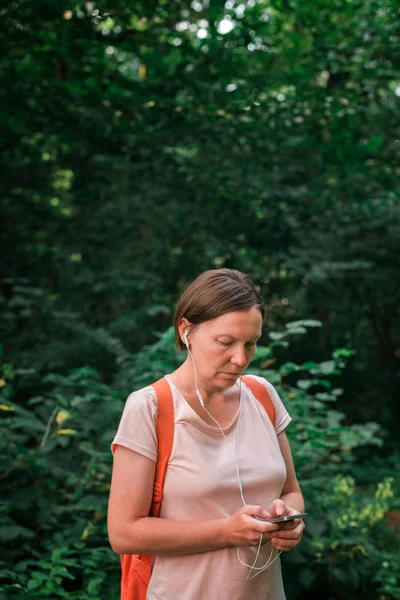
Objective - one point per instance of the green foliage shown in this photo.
(57, 479)
(146, 142)
(48, 578)
(55, 533)
(346, 539)
(142, 143)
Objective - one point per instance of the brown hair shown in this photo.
(215, 293)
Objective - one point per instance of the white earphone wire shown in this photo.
(251, 567)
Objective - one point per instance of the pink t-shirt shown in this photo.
(201, 483)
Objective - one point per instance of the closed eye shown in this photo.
(227, 344)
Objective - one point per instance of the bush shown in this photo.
(56, 481)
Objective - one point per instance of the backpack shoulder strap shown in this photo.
(261, 394)
(165, 437)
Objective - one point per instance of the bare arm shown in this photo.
(291, 493)
(291, 502)
(131, 531)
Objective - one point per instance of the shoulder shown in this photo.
(282, 417)
(141, 400)
(265, 383)
(138, 424)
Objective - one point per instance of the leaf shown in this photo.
(62, 416)
(304, 384)
(343, 352)
(262, 352)
(282, 344)
(325, 397)
(308, 366)
(297, 330)
(337, 391)
(289, 367)
(66, 432)
(304, 323)
(324, 383)
(94, 585)
(374, 143)
(34, 583)
(11, 532)
(327, 367)
(59, 554)
(334, 419)
(275, 335)
(157, 309)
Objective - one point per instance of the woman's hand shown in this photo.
(245, 527)
(289, 534)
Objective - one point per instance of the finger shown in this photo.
(262, 526)
(293, 534)
(255, 511)
(278, 508)
(284, 545)
(289, 525)
(269, 528)
(285, 536)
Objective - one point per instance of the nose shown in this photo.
(239, 358)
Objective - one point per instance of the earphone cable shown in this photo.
(251, 567)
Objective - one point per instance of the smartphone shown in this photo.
(282, 519)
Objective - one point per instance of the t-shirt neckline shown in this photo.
(198, 419)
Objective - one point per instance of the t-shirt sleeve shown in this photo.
(282, 417)
(137, 427)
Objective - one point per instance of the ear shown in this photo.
(184, 325)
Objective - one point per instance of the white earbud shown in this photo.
(186, 340)
(200, 397)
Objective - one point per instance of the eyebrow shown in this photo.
(256, 337)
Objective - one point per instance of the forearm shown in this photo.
(155, 536)
(294, 500)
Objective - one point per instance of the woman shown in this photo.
(230, 466)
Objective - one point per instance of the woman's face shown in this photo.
(223, 347)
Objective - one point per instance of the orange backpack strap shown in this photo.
(262, 395)
(165, 437)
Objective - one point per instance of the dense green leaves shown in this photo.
(144, 142)
(56, 535)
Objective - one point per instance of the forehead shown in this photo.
(237, 323)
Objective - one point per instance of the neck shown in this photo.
(185, 378)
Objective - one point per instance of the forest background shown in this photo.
(145, 142)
